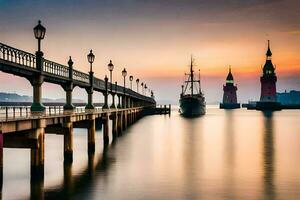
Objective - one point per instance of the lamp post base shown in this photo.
(89, 107)
(69, 107)
(37, 107)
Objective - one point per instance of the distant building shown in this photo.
(289, 98)
(229, 95)
(268, 79)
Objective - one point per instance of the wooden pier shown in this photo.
(25, 127)
(29, 132)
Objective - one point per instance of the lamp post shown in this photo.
(39, 33)
(137, 85)
(146, 89)
(142, 84)
(131, 78)
(37, 80)
(90, 58)
(110, 68)
(124, 74)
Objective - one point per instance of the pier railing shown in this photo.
(17, 56)
(55, 70)
(23, 112)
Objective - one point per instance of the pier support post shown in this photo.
(90, 90)
(68, 142)
(36, 83)
(68, 88)
(91, 134)
(37, 154)
(113, 105)
(1, 159)
(90, 105)
(119, 101)
(119, 123)
(124, 119)
(68, 182)
(124, 101)
(105, 118)
(115, 125)
(105, 93)
(129, 117)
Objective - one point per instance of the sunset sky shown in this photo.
(154, 40)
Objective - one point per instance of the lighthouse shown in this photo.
(268, 100)
(268, 79)
(229, 95)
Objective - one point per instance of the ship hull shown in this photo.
(192, 106)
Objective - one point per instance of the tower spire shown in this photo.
(269, 53)
(229, 78)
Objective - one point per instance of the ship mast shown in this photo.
(192, 77)
(199, 81)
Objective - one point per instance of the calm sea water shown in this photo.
(230, 155)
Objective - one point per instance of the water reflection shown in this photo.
(269, 157)
(223, 155)
(192, 144)
(229, 154)
(77, 184)
(36, 188)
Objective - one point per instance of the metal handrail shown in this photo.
(99, 83)
(55, 68)
(80, 76)
(17, 56)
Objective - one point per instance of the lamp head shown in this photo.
(39, 31)
(124, 73)
(110, 66)
(91, 57)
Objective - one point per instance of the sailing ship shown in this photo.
(192, 101)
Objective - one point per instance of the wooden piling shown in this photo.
(105, 129)
(37, 154)
(68, 142)
(37, 189)
(119, 123)
(115, 125)
(91, 135)
(125, 120)
(1, 159)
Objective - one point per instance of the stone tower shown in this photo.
(229, 95)
(268, 79)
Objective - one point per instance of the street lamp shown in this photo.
(124, 74)
(131, 78)
(137, 85)
(142, 84)
(39, 33)
(91, 58)
(110, 68)
(146, 89)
